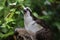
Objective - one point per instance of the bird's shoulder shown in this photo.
(42, 23)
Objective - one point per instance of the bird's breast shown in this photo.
(34, 27)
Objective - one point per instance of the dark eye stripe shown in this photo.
(24, 10)
(27, 9)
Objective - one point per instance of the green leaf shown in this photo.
(1, 7)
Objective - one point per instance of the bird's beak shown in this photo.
(23, 7)
(24, 10)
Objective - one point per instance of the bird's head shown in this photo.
(28, 13)
(27, 10)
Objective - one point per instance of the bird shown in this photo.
(37, 27)
(22, 34)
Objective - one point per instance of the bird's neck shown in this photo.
(27, 19)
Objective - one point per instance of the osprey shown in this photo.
(37, 27)
(22, 34)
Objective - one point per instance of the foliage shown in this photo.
(11, 14)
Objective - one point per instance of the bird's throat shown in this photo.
(27, 19)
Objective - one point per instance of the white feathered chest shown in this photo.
(30, 24)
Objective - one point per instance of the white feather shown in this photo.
(30, 24)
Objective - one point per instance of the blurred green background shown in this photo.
(11, 15)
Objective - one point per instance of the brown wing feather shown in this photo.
(44, 34)
(42, 23)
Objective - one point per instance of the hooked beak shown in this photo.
(24, 10)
